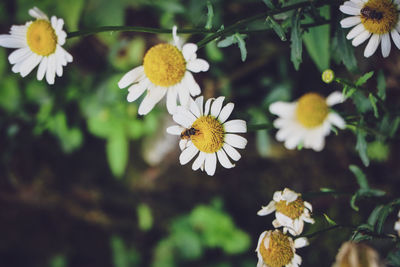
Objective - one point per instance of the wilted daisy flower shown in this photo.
(165, 70)
(397, 225)
(377, 19)
(275, 249)
(291, 211)
(307, 121)
(208, 134)
(38, 43)
(356, 255)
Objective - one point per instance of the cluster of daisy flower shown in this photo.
(276, 248)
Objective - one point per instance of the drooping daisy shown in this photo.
(357, 254)
(276, 249)
(378, 19)
(38, 43)
(291, 211)
(397, 225)
(307, 121)
(208, 134)
(165, 70)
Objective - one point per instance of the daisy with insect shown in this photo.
(206, 132)
(40, 43)
(166, 70)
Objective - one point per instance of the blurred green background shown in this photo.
(85, 181)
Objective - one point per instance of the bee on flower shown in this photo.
(40, 43)
(376, 20)
(205, 131)
(291, 211)
(276, 249)
(166, 70)
(307, 121)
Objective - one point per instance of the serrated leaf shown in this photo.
(242, 46)
(345, 49)
(210, 15)
(277, 28)
(360, 176)
(296, 45)
(329, 220)
(363, 79)
(117, 151)
(362, 146)
(373, 101)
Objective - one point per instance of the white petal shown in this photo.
(318, 143)
(175, 130)
(194, 108)
(271, 207)
(385, 45)
(182, 120)
(335, 98)
(188, 154)
(235, 126)
(18, 55)
(232, 152)
(10, 41)
(184, 96)
(223, 159)
(183, 143)
(397, 226)
(296, 260)
(172, 95)
(235, 140)
(276, 223)
(42, 69)
(210, 163)
(350, 21)
(154, 95)
(361, 38)
(29, 64)
(51, 69)
(349, 10)
(185, 112)
(308, 205)
(199, 103)
(136, 90)
(130, 77)
(197, 65)
(336, 120)
(283, 109)
(357, 30)
(177, 40)
(283, 219)
(225, 112)
(396, 38)
(207, 106)
(372, 45)
(289, 195)
(199, 161)
(190, 83)
(216, 106)
(37, 13)
(301, 242)
(293, 140)
(59, 68)
(189, 51)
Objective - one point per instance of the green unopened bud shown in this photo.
(328, 76)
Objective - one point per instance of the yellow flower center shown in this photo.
(311, 110)
(41, 37)
(209, 136)
(279, 252)
(164, 65)
(379, 16)
(293, 209)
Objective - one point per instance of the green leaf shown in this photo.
(58, 261)
(210, 15)
(353, 202)
(228, 41)
(117, 152)
(373, 101)
(360, 176)
(145, 218)
(269, 4)
(71, 12)
(276, 27)
(381, 85)
(121, 255)
(373, 217)
(10, 96)
(242, 46)
(317, 42)
(345, 49)
(383, 214)
(363, 79)
(362, 146)
(329, 220)
(296, 44)
(394, 258)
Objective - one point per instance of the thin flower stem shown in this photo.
(325, 193)
(311, 235)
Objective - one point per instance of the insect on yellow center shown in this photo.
(41, 37)
(164, 65)
(311, 110)
(209, 136)
(293, 209)
(379, 16)
(279, 251)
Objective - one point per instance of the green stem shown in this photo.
(311, 235)
(256, 127)
(241, 23)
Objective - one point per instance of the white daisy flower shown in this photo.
(275, 249)
(209, 133)
(397, 225)
(291, 211)
(165, 70)
(378, 19)
(38, 43)
(357, 254)
(307, 121)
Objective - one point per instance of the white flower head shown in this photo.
(166, 70)
(397, 225)
(38, 43)
(291, 211)
(206, 131)
(378, 19)
(357, 254)
(307, 121)
(275, 248)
